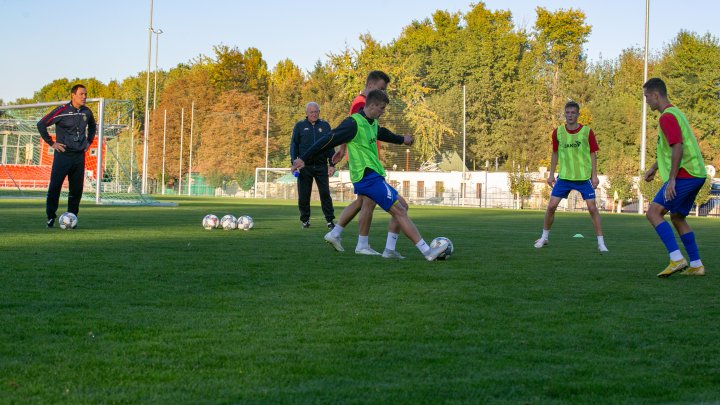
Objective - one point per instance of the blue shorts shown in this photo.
(685, 192)
(562, 188)
(376, 188)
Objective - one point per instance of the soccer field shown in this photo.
(142, 305)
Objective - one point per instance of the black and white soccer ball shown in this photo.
(245, 222)
(210, 221)
(68, 221)
(448, 251)
(228, 222)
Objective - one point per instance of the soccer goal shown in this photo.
(274, 182)
(111, 162)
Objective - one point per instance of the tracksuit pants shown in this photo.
(304, 185)
(72, 166)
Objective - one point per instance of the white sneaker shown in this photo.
(541, 242)
(367, 250)
(392, 254)
(334, 242)
(602, 248)
(435, 252)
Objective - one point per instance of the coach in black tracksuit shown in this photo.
(74, 132)
(320, 167)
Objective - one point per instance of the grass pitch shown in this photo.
(142, 305)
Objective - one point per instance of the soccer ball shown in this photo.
(228, 222)
(245, 223)
(448, 252)
(68, 220)
(210, 222)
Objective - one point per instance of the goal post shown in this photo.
(111, 175)
(273, 182)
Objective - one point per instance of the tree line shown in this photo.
(516, 83)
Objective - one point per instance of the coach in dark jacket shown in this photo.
(74, 132)
(320, 168)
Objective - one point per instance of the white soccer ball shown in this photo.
(210, 222)
(245, 223)
(68, 221)
(228, 222)
(448, 251)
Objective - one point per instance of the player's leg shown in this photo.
(595, 217)
(399, 213)
(76, 179)
(334, 237)
(686, 192)
(390, 251)
(323, 184)
(364, 221)
(304, 187)
(57, 177)
(588, 194)
(656, 216)
(548, 221)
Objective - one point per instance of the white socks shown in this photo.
(675, 255)
(336, 231)
(391, 241)
(362, 242)
(423, 247)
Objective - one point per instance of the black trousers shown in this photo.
(72, 166)
(304, 185)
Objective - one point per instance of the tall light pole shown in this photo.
(147, 105)
(157, 38)
(641, 201)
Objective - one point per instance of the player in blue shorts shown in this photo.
(361, 132)
(682, 168)
(575, 148)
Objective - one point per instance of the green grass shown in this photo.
(141, 305)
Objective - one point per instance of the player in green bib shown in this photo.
(361, 132)
(682, 168)
(575, 148)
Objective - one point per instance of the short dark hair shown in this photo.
(571, 104)
(656, 84)
(76, 87)
(376, 75)
(377, 96)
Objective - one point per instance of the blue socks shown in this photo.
(691, 248)
(665, 232)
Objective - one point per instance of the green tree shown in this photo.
(689, 66)
(520, 184)
(235, 125)
(287, 106)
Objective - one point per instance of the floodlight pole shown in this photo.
(192, 121)
(100, 130)
(163, 156)
(157, 47)
(182, 124)
(641, 201)
(267, 143)
(462, 185)
(147, 105)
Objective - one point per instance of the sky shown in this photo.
(45, 40)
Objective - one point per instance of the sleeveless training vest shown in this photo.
(692, 160)
(362, 151)
(574, 154)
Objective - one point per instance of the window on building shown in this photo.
(406, 188)
(421, 189)
(439, 189)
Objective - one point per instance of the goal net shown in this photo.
(111, 162)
